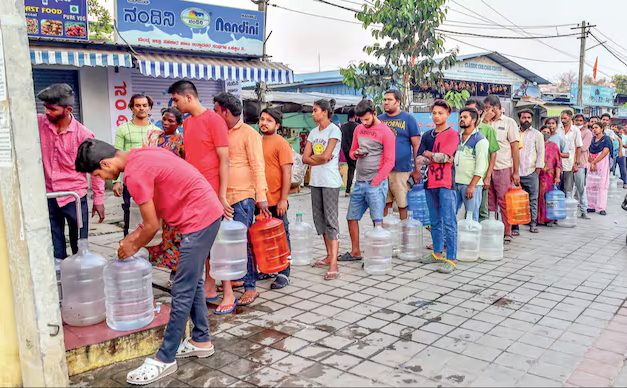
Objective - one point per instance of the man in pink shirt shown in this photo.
(373, 148)
(60, 134)
(165, 186)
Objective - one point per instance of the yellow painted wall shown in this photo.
(10, 372)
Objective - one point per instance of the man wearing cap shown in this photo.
(60, 136)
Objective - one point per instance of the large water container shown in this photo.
(555, 204)
(270, 246)
(517, 205)
(491, 245)
(417, 202)
(229, 252)
(128, 292)
(83, 287)
(411, 238)
(301, 237)
(378, 253)
(468, 239)
(593, 184)
(392, 224)
(572, 207)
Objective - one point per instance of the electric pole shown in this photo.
(582, 60)
(263, 7)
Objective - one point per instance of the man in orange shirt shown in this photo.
(277, 153)
(247, 187)
(207, 148)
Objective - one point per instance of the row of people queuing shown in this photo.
(221, 167)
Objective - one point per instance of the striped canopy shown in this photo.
(79, 58)
(194, 67)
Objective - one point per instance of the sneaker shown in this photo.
(602, 212)
(447, 267)
(591, 210)
(584, 216)
(432, 258)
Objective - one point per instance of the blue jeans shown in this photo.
(58, 215)
(244, 212)
(188, 292)
(470, 205)
(365, 196)
(442, 205)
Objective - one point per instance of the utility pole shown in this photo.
(25, 213)
(582, 60)
(263, 7)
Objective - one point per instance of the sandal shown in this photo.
(533, 229)
(186, 349)
(507, 239)
(227, 311)
(280, 282)
(331, 275)
(251, 300)
(448, 266)
(432, 258)
(515, 233)
(221, 287)
(150, 371)
(348, 257)
(321, 263)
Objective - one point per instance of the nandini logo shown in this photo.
(195, 18)
(243, 27)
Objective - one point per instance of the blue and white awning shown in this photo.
(79, 58)
(194, 67)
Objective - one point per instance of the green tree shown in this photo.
(620, 81)
(411, 43)
(101, 23)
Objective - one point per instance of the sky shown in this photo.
(309, 43)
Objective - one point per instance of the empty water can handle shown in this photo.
(79, 210)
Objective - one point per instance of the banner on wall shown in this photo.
(187, 25)
(593, 95)
(57, 19)
(120, 86)
(425, 123)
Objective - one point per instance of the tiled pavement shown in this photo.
(550, 314)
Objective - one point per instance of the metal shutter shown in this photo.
(157, 89)
(42, 78)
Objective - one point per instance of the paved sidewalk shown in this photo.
(550, 314)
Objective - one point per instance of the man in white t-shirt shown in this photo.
(571, 165)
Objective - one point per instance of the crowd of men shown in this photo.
(222, 168)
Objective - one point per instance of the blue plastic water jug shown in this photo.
(417, 203)
(555, 204)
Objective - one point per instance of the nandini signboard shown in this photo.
(185, 25)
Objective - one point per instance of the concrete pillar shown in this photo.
(23, 193)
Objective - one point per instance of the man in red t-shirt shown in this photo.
(165, 186)
(437, 150)
(206, 139)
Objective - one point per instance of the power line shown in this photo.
(337, 5)
(529, 27)
(505, 37)
(610, 51)
(610, 39)
(509, 55)
(315, 15)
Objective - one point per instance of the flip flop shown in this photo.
(507, 239)
(348, 257)
(221, 287)
(212, 299)
(321, 263)
(331, 275)
(515, 233)
(150, 371)
(229, 311)
(533, 229)
(186, 349)
(251, 302)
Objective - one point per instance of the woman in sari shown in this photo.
(166, 254)
(550, 175)
(597, 189)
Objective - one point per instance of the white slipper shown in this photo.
(186, 349)
(150, 371)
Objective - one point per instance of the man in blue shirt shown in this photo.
(405, 128)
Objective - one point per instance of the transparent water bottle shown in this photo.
(555, 204)
(229, 252)
(378, 253)
(613, 190)
(491, 245)
(392, 224)
(301, 236)
(417, 202)
(128, 292)
(572, 206)
(468, 239)
(83, 287)
(411, 238)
